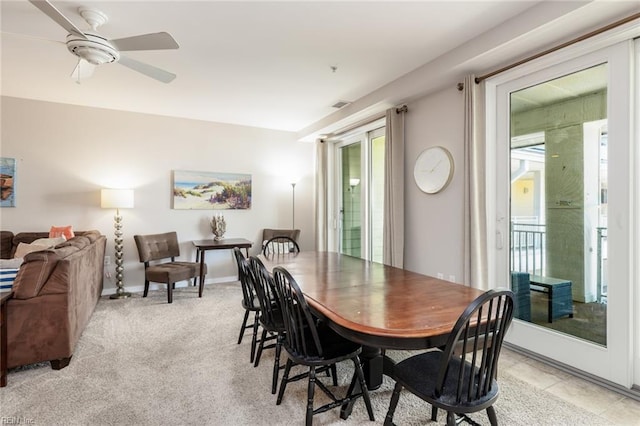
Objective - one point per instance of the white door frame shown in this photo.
(615, 362)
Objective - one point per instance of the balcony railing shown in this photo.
(528, 242)
(527, 248)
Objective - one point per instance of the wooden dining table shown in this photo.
(378, 306)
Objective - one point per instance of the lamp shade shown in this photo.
(116, 199)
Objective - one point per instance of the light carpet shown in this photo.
(142, 361)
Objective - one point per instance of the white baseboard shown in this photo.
(155, 286)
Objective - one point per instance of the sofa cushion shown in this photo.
(6, 244)
(34, 272)
(74, 244)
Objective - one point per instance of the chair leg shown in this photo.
(388, 421)
(260, 347)
(434, 413)
(244, 325)
(146, 288)
(451, 418)
(493, 419)
(284, 381)
(276, 364)
(254, 337)
(310, 393)
(363, 386)
(170, 292)
(334, 373)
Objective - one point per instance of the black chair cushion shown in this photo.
(335, 347)
(420, 372)
(276, 323)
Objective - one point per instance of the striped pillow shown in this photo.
(7, 276)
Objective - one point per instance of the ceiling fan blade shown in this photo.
(30, 37)
(146, 69)
(153, 41)
(82, 71)
(53, 13)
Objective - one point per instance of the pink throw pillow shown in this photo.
(58, 231)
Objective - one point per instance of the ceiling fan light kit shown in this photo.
(92, 49)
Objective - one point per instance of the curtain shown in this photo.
(475, 216)
(322, 195)
(393, 222)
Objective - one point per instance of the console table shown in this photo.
(560, 298)
(225, 244)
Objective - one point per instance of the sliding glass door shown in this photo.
(563, 209)
(360, 185)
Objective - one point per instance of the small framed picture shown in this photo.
(7, 182)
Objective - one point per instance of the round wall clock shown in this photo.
(433, 169)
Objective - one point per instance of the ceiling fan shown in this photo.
(92, 49)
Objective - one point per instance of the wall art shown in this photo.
(7, 182)
(211, 191)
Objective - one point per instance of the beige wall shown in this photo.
(65, 154)
(434, 222)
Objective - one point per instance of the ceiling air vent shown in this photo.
(340, 104)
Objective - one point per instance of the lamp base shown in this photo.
(120, 295)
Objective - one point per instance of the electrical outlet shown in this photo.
(452, 278)
(107, 260)
(441, 275)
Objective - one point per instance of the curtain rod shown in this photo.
(364, 122)
(556, 48)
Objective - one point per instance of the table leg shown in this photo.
(201, 273)
(195, 280)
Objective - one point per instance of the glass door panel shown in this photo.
(558, 203)
(376, 203)
(351, 229)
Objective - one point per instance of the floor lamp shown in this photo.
(118, 199)
(293, 206)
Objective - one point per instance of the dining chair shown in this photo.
(461, 378)
(153, 251)
(269, 233)
(280, 245)
(310, 342)
(270, 317)
(250, 301)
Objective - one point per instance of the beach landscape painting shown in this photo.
(194, 190)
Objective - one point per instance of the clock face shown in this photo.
(433, 169)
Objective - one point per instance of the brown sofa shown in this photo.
(55, 294)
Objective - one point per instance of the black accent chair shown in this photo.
(250, 301)
(460, 379)
(153, 251)
(312, 343)
(270, 317)
(280, 245)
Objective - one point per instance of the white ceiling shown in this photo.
(264, 64)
